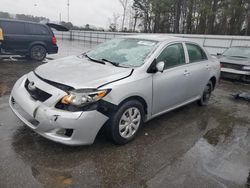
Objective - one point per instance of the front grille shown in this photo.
(37, 93)
(232, 66)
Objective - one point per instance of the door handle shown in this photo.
(186, 73)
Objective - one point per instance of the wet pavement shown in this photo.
(190, 147)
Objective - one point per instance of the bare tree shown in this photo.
(124, 4)
(113, 22)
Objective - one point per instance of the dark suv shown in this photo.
(28, 38)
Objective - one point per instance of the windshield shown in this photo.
(238, 52)
(124, 52)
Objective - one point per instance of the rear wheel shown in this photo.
(206, 94)
(38, 52)
(126, 122)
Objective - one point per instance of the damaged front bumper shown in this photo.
(70, 128)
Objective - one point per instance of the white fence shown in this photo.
(213, 43)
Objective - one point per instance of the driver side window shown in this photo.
(172, 56)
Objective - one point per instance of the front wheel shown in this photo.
(126, 122)
(206, 94)
(38, 52)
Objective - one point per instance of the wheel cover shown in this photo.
(129, 122)
(38, 52)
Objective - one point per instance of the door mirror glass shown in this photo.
(160, 66)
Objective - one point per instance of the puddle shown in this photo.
(60, 179)
(224, 120)
(213, 136)
(226, 165)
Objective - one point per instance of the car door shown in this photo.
(14, 36)
(169, 86)
(198, 70)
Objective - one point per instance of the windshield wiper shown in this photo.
(111, 62)
(238, 56)
(95, 60)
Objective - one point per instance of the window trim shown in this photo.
(195, 44)
(170, 44)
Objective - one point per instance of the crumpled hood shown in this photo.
(79, 72)
(235, 60)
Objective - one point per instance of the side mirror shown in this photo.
(219, 54)
(160, 66)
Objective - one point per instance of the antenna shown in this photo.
(60, 17)
(68, 10)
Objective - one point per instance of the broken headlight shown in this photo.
(83, 97)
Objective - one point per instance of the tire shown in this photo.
(121, 128)
(38, 52)
(206, 94)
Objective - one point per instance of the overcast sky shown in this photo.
(93, 12)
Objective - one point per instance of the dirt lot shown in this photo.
(189, 147)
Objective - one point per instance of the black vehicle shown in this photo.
(28, 38)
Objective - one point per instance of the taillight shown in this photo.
(53, 40)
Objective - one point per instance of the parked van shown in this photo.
(28, 38)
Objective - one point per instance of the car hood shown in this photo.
(235, 60)
(79, 72)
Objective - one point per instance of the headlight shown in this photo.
(83, 97)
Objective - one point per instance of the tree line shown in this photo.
(24, 17)
(221, 17)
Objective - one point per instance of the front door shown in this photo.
(169, 86)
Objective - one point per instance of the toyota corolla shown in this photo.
(119, 84)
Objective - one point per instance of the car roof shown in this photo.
(20, 21)
(156, 37)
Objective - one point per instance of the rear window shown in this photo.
(36, 29)
(13, 27)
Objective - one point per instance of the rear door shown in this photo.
(14, 36)
(38, 33)
(169, 86)
(198, 70)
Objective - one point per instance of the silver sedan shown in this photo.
(119, 84)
